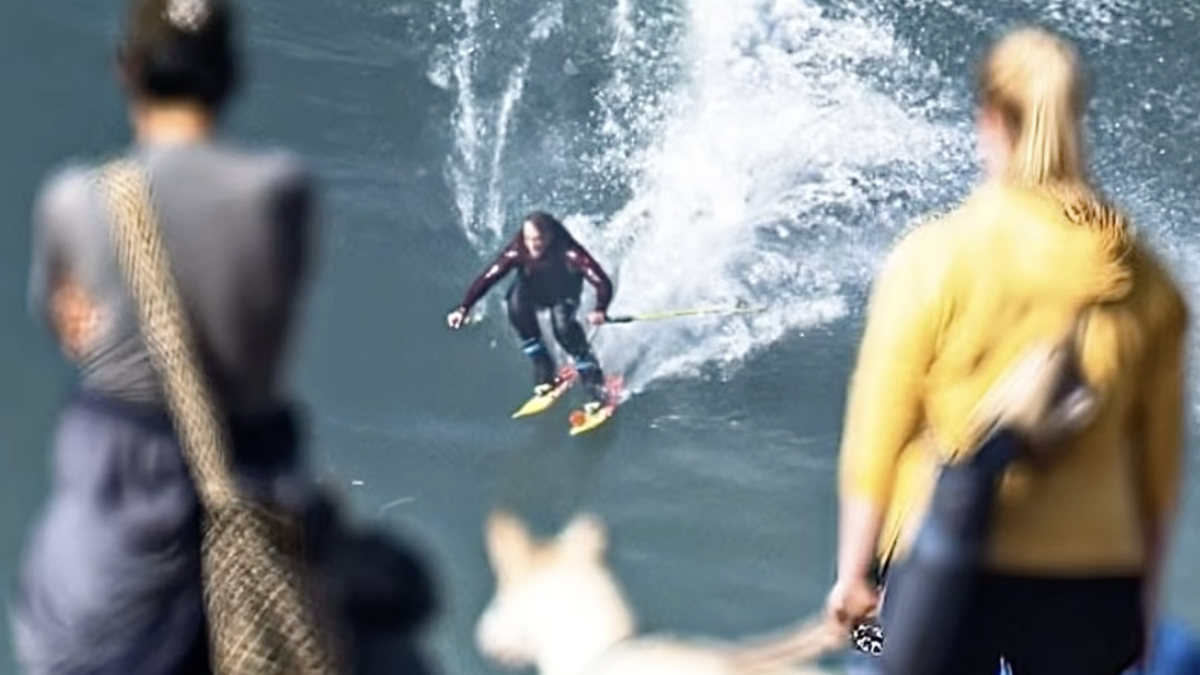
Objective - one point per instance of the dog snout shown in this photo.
(500, 641)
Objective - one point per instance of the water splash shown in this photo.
(479, 147)
(751, 149)
(762, 151)
(1109, 22)
(780, 172)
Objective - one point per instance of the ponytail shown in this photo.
(1032, 78)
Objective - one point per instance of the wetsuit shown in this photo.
(553, 281)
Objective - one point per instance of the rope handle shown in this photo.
(142, 257)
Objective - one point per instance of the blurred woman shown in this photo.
(1072, 557)
(110, 580)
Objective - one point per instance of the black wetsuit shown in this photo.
(552, 281)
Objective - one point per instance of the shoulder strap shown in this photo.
(1072, 405)
(143, 260)
(259, 604)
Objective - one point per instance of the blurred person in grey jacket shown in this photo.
(110, 581)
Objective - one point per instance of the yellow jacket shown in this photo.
(956, 303)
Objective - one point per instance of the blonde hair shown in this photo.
(1032, 78)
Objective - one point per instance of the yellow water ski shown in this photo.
(539, 403)
(583, 420)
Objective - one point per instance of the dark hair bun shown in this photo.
(181, 49)
(188, 16)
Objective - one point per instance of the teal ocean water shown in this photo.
(707, 151)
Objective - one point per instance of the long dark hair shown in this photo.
(552, 229)
(180, 50)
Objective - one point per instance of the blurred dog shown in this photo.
(557, 607)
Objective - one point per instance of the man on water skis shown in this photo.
(551, 268)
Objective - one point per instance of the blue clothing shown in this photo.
(110, 582)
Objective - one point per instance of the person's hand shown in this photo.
(850, 601)
(456, 318)
(597, 318)
(76, 319)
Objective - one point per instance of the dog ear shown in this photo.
(585, 536)
(509, 544)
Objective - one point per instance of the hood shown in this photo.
(1065, 242)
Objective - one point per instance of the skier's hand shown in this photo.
(456, 318)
